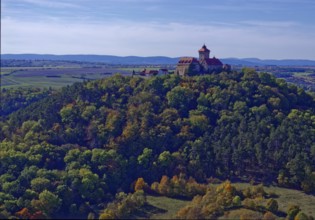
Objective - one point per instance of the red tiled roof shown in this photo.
(204, 49)
(188, 60)
(145, 71)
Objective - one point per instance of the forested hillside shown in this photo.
(69, 152)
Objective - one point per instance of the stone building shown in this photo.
(187, 65)
(150, 73)
(205, 64)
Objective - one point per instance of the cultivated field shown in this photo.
(52, 76)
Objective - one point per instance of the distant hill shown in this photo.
(94, 58)
(259, 62)
(154, 59)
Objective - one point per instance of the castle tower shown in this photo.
(204, 53)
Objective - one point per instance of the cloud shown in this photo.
(51, 4)
(270, 24)
(150, 39)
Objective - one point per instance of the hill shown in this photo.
(154, 60)
(68, 152)
(259, 62)
(94, 58)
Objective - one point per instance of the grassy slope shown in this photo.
(235, 214)
(171, 206)
(168, 207)
(288, 197)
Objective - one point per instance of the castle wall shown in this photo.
(214, 68)
(182, 70)
(210, 68)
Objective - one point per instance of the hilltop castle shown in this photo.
(205, 64)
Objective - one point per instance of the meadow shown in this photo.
(166, 208)
(286, 197)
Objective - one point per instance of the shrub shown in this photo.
(269, 216)
(293, 210)
(237, 201)
(272, 205)
(301, 216)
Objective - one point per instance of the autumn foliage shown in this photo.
(64, 152)
(178, 186)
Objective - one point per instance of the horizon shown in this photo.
(260, 29)
(239, 58)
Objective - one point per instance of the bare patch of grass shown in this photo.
(241, 214)
(287, 197)
(171, 206)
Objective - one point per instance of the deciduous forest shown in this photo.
(69, 152)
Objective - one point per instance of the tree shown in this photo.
(200, 124)
(24, 213)
(140, 184)
(145, 158)
(293, 210)
(69, 113)
(107, 214)
(182, 99)
(88, 112)
(47, 202)
(89, 186)
(237, 201)
(38, 215)
(39, 184)
(164, 159)
(301, 216)
(164, 186)
(308, 184)
(269, 216)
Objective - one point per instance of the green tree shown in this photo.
(88, 112)
(164, 159)
(237, 201)
(39, 184)
(145, 158)
(182, 99)
(48, 203)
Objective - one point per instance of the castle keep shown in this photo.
(205, 64)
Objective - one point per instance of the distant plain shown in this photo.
(52, 76)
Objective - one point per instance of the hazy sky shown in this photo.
(277, 29)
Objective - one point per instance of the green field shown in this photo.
(11, 70)
(39, 81)
(138, 69)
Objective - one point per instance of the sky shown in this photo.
(265, 29)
